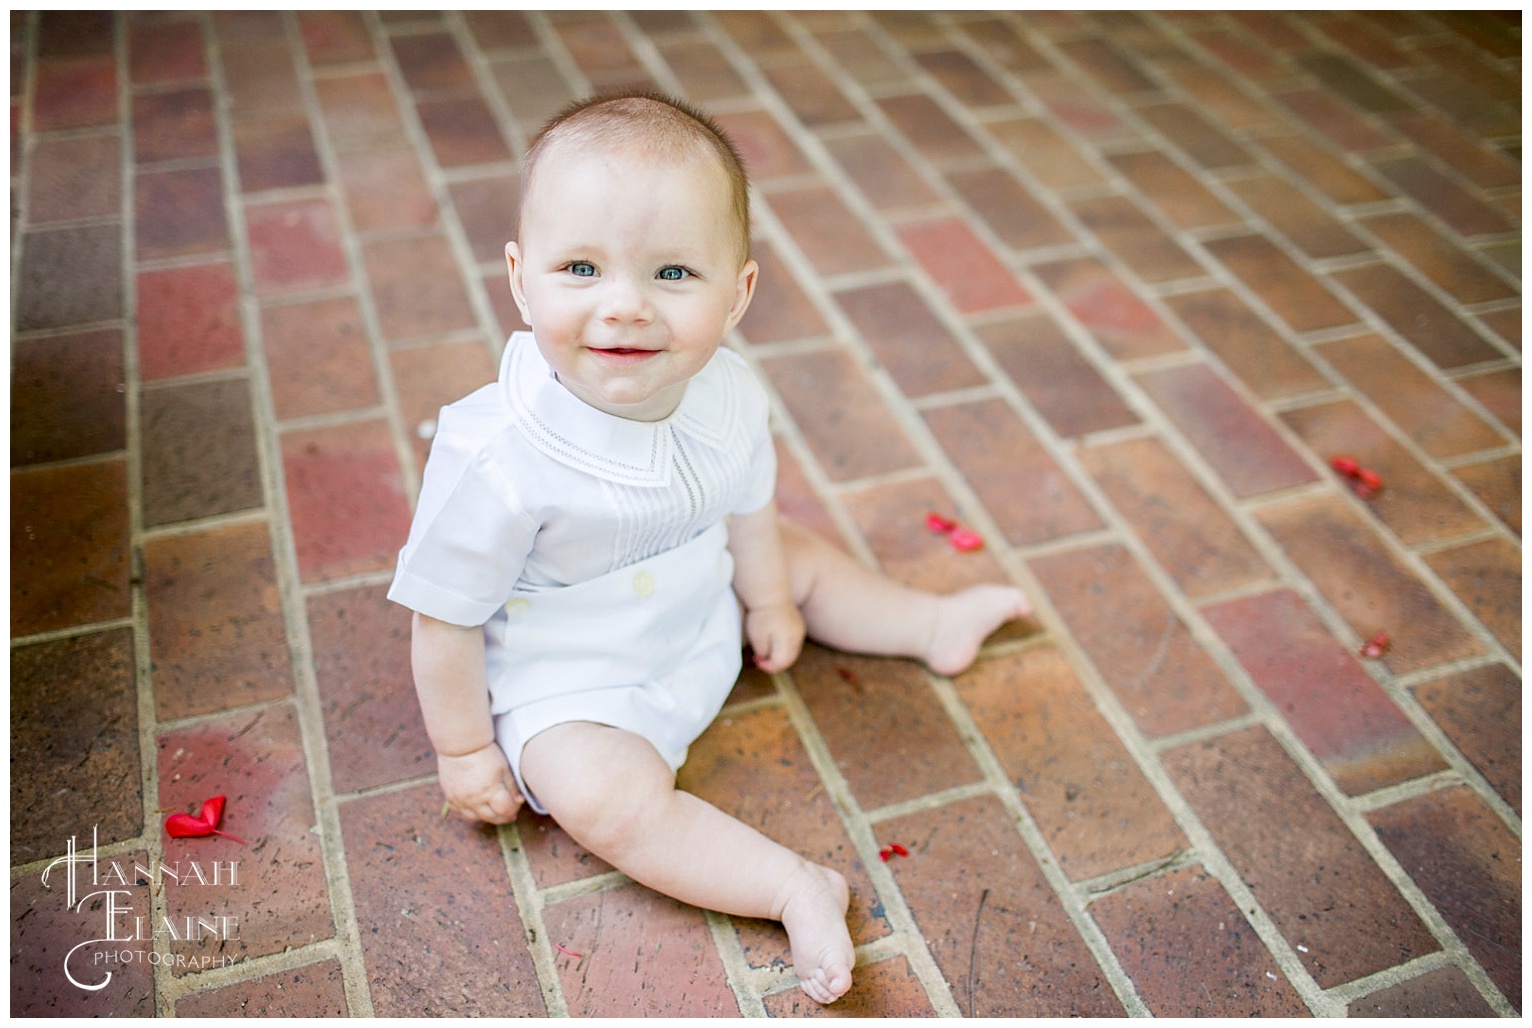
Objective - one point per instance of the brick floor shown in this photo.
(1112, 288)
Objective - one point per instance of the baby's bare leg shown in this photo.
(616, 796)
(848, 607)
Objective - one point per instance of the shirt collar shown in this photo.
(571, 431)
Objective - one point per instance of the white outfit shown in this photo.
(591, 548)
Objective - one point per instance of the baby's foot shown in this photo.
(965, 619)
(814, 915)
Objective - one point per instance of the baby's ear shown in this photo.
(745, 290)
(514, 268)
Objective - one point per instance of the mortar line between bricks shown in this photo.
(306, 700)
(744, 982)
(901, 919)
(530, 903)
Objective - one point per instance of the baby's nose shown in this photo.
(624, 299)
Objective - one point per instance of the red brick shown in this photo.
(417, 287)
(432, 62)
(486, 208)
(276, 153)
(257, 66)
(1468, 863)
(1438, 422)
(966, 271)
(1082, 113)
(831, 236)
(74, 92)
(798, 502)
(70, 548)
(1486, 576)
(752, 765)
(888, 988)
(278, 887)
(1188, 533)
(294, 247)
(929, 128)
(880, 171)
(1444, 262)
(1141, 649)
(1480, 710)
(313, 990)
(997, 930)
(841, 415)
(1367, 584)
(1011, 211)
(463, 132)
(359, 111)
(1460, 210)
(1297, 297)
(1314, 880)
(361, 654)
(188, 321)
(884, 726)
(1162, 926)
(917, 349)
(813, 96)
(1135, 239)
(427, 378)
(347, 505)
(1057, 379)
(780, 310)
(962, 77)
(533, 86)
(758, 32)
(769, 152)
(1318, 685)
(1419, 318)
(1123, 324)
(1467, 153)
(1332, 117)
(602, 51)
(335, 37)
(1026, 492)
(67, 397)
(1223, 99)
(640, 955)
(318, 358)
(703, 71)
(438, 925)
(175, 124)
(1094, 807)
(1414, 503)
(178, 213)
(1268, 365)
(857, 54)
(1243, 448)
(1004, 42)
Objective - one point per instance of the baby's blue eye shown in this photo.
(673, 273)
(582, 269)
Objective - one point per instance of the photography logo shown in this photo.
(103, 890)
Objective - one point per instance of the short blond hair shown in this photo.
(653, 125)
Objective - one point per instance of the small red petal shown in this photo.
(1371, 479)
(965, 540)
(212, 811)
(184, 826)
(900, 850)
(938, 524)
(1345, 465)
(885, 853)
(569, 952)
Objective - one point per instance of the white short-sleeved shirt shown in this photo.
(591, 548)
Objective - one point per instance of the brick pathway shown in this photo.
(1112, 289)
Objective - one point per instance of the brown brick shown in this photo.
(67, 397)
(917, 349)
(961, 76)
(359, 111)
(69, 276)
(1480, 710)
(1318, 685)
(1467, 153)
(1106, 64)
(417, 287)
(891, 518)
(884, 726)
(1161, 926)
(1458, 209)
(1414, 503)
(1143, 651)
(74, 178)
(1297, 297)
(533, 87)
(427, 378)
(74, 750)
(1053, 159)
(431, 62)
(929, 128)
(813, 96)
(1266, 363)
(601, 50)
(1486, 576)
(1307, 225)
(780, 310)
(335, 37)
(1367, 584)
(276, 153)
(840, 414)
(439, 929)
(768, 151)
(880, 171)
(1306, 869)
(318, 358)
(1440, 259)
(1177, 193)
(1497, 483)
(174, 125)
(387, 192)
(1445, 992)
(1136, 240)
(1413, 400)
(1081, 112)
(1428, 326)
(1201, 140)
(346, 501)
(1024, 489)
(70, 547)
(1196, 543)
(831, 236)
(1011, 212)
(294, 247)
(313, 990)
(1331, 116)
(887, 988)
(1320, 167)
(74, 92)
(1243, 448)
(199, 451)
(1056, 378)
(640, 955)
(1468, 863)
(487, 209)
(999, 935)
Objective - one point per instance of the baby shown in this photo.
(596, 537)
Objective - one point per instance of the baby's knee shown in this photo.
(599, 783)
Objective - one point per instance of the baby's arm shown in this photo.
(448, 662)
(773, 624)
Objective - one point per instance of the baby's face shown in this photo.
(628, 271)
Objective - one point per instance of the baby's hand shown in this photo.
(479, 785)
(776, 635)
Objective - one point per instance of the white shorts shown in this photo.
(652, 648)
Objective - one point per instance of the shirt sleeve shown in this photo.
(470, 538)
(761, 479)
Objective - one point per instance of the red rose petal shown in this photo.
(938, 524)
(966, 541)
(1345, 465)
